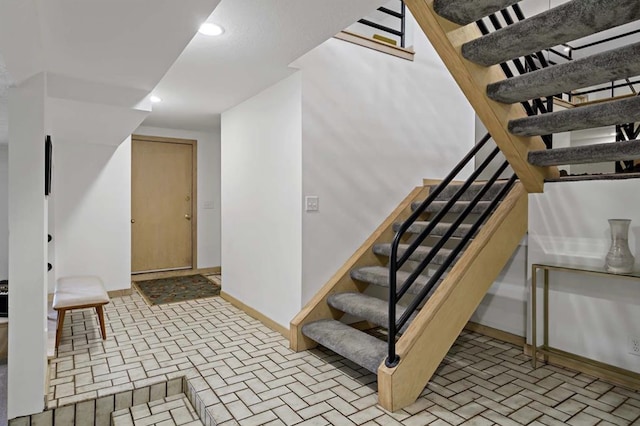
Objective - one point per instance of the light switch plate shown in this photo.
(312, 203)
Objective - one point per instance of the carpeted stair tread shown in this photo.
(464, 12)
(369, 308)
(458, 207)
(597, 153)
(603, 67)
(439, 230)
(587, 117)
(379, 275)
(471, 192)
(419, 254)
(361, 348)
(567, 22)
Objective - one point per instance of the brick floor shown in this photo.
(245, 374)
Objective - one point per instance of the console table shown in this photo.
(545, 349)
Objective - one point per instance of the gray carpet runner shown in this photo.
(361, 348)
(458, 207)
(619, 111)
(464, 12)
(597, 153)
(471, 192)
(369, 308)
(418, 255)
(567, 22)
(439, 230)
(379, 275)
(604, 67)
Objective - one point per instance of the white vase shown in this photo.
(619, 259)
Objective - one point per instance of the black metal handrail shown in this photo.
(417, 301)
(401, 15)
(626, 132)
(432, 224)
(396, 262)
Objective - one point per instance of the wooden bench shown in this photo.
(79, 292)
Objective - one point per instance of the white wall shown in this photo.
(505, 305)
(4, 212)
(374, 126)
(92, 190)
(209, 208)
(591, 316)
(27, 244)
(591, 137)
(261, 207)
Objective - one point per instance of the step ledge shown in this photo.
(374, 44)
(604, 176)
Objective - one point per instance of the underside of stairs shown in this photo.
(451, 247)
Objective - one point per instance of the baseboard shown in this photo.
(120, 293)
(257, 315)
(615, 375)
(597, 369)
(504, 336)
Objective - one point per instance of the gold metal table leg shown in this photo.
(545, 341)
(534, 307)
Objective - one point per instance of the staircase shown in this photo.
(440, 253)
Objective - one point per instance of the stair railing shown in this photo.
(525, 65)
(626, 132)
(401, 15)
(396, 262)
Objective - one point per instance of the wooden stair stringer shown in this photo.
(434, 330)
(447, 38)
(317, 308)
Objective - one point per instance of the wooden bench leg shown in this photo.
(100, 313)
(59, 325)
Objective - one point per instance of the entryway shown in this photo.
(163, 204)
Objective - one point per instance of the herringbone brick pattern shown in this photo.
(245, 374)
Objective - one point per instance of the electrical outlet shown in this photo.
(634, 345)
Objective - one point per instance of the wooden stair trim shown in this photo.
(447, 39)
(429, 337)
(374, 44)
(317, 308)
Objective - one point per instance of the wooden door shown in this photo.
(162, 191)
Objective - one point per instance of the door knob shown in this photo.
(187, 216)
(133, 221)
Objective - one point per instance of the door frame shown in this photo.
(194, 185)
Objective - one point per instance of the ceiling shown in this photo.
(96, 53)
(261, 39)
(90, 64)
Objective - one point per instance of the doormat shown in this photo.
(177, 289)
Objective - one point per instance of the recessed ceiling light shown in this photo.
(210, 29)
(155, 99)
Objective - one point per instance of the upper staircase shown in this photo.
(439, 252)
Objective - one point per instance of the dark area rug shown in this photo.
(178, 289)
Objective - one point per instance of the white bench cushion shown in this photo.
(79, 291)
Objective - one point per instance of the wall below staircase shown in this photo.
(374, 126)
(504, 307)
(593, 316)
(262, 201)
